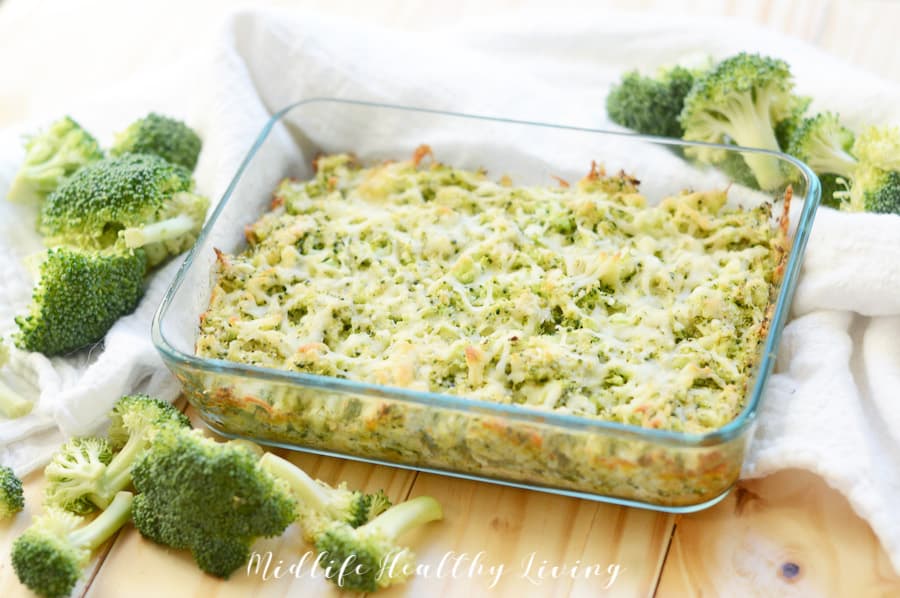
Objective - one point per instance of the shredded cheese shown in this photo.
(578, 299)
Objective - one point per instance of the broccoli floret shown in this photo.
(85, 473)
(79, 295)
(877, 191)
(651, 105)
(161, 136)
(878, 147)
(824, 144)
(50, 156)
(784, 128)
(140, 197)
(740, 101)
(12, 498)
(373, 557)
(319, 504)
(12, 403)
(73, 472)
(209, 497)
(51, 554)
(876, 181)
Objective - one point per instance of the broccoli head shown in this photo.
(86, 473)
(50, 156)
(73, 472)
(876, 182)
(12, 498)
(161, 136)
(79, 295)
(319, 504)
(740, 101)
(369, 558)
(875, 190)
(824, 144)
(139, 197)
(12, 403)
(51, 554)
(651, 105)
(209, 497)
(878, 147)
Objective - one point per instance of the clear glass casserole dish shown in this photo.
(501, 443)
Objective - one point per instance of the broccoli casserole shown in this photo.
(578, 299)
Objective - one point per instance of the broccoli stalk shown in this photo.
(369, 558)
(12, 497)
(740, 101)
(50, 556)
(85, 473)
(209, 497)
(158, 231)
(320, 504)
(50, 156)
(175, 230)
(12, 403)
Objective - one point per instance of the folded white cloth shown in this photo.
(832, 407)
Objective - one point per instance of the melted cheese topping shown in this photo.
(579, 299)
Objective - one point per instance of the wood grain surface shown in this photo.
(785, 535)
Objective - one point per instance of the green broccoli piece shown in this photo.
(50, 156)
(877, 191)
(369, 556)
(12, 498)
(784, 128)
(85, 473)
(209, 497)
(51, 554)
(834, 188)
(79, 295)
(319, 504)
(73, 472)
(876, 181)
(824, 144)
(651, 105)
(162, 136)
(12, 403)
(878, 147)
(139, 197)
(740, 101)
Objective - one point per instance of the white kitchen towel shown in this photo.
(832, 407)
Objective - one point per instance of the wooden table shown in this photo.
(784, 535)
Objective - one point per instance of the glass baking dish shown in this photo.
(507, 444)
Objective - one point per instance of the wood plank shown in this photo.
(148, 569)
(785, 535)
(507, 525)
